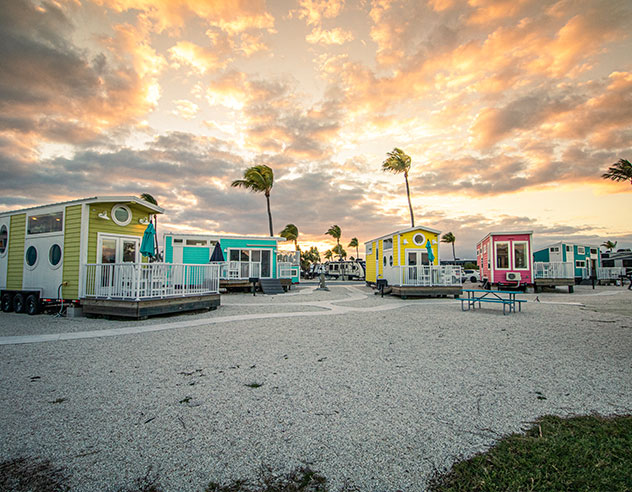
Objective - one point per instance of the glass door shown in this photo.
(266, 271)
(112, 250)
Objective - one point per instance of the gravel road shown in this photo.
(375, 391)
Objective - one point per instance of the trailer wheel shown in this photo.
(18, 303)
(32, 305)
(7, 303)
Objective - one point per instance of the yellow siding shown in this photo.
(97, 225)
(395, 250)
(408, 239)
(380, 264)
(72, 242)
(15, 260)
(370, 265)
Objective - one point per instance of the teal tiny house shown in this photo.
(245, 257)
(585, 259)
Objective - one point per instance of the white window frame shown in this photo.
(186, 245)
(554, 249)
(103, 235)
(581, 250)
(509, 255)
(37, 258)
(369, 249)
(577, 264)
(61, 258)
(513, 255)
(422, 235)
(125, 207)
(387, 243)
(46, 211)
(6, 249)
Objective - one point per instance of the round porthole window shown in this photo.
(4, 239)
(390, 260)
(31, 257)
(54, 255)
(384, 260)
(121, 214)
(419, 239)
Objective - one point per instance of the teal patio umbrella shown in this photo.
(428, 248)
(147, 246)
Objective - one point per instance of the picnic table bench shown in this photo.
(505, 297)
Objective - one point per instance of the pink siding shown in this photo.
(499, 274)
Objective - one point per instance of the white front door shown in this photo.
(116, 280)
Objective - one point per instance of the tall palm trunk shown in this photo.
(269, 214)
(453, 253)
(410, 205)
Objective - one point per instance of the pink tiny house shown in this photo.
(505, 259)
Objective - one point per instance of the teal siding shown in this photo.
(251, 243)
(169, 249)
(542, 255)
(195, 255)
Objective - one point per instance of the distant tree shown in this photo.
(328, 254)
(354, 244)
(398, 162)
(258, 179)
(619, 171)
(335, 232)
(339, 250)
(609, 245)
(291, 234)
(309, 257)
(150, 199)
(449, 238)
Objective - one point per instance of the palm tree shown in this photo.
(619, 171)
(354, 244)
(609, 245)
(150, 199)
(339, 250)
(335, 232)
(291, 234)
(449, 238)
(398, 162)
(328, 254)
(258, 179)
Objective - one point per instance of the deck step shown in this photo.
(271, 286)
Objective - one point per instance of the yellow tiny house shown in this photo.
(409, 262)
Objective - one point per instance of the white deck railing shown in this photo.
(430, 275)
(553, 269)
(148, 280)
(610, 273)
(287, 269)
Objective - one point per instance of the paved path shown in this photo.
(326, 308)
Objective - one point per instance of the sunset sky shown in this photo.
(510, 109)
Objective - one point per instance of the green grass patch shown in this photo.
(585, 453)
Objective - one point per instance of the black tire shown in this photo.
(7, 303)
(32, 305)
(19, 304)
(472, 279)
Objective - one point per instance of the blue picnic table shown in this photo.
(505, 297)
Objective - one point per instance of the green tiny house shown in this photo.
(43, 249)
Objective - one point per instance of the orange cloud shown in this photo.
(313, 11)
(332, 36)
(199, 58)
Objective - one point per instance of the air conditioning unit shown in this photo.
(513, 276)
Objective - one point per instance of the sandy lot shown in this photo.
(375, 391)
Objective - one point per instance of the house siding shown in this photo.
(72, 245)
(15, 263)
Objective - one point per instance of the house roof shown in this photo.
(222, 236)
(404, 231)
(502, 233)
(94, 199)
(566, 243)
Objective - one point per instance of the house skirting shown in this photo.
(405, 291)
(130, 308)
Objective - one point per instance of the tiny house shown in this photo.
(43, 248)
(408, 261)
(87, 252)
(585, 259)
(245, 256)
(504, 259)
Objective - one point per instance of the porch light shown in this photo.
(104, 215)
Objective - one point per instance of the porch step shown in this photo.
(271, 286)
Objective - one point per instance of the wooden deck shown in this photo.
(405, 291)
(243, 284)
(554, 282)
(130, 308)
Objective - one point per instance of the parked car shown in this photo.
(471, 275)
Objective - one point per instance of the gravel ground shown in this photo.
(378, 398)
